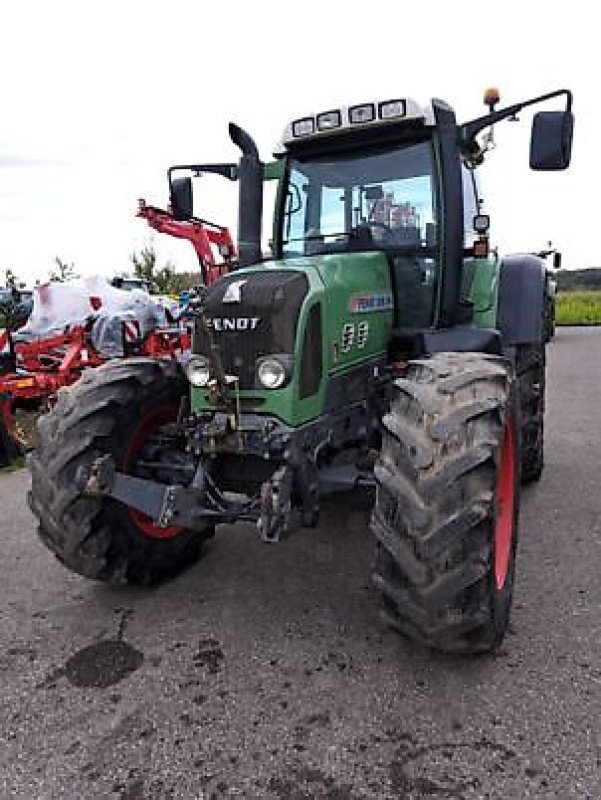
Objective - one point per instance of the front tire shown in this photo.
(446, 511)
(113, 409)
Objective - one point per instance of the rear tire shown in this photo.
(445, 517)
(530, 368)
(108, 410)
(548, 319)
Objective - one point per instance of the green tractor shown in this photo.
(550, 290)
(384, 345)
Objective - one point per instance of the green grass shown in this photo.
(578, 308)
(18, 463)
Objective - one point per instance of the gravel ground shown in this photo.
(265, 672)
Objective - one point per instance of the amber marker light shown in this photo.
(491, 97)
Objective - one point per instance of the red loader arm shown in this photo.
(200, 233)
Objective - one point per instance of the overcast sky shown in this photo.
(98, 99)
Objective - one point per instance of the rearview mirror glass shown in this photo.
(556, 260)
(551, 140)
(181, 198)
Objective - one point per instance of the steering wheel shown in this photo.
(372, 224)
(386, 237)
(376, 224)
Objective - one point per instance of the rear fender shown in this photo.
(521, 299)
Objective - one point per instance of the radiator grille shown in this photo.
(263, 322)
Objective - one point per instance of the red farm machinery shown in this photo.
(33, 369)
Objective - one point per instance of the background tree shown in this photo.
(161, 279)
(11, 280)
(569, 279)
(14, 310)
(145, 264)
(183, 281)
(63, 271)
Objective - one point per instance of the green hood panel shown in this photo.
(355, 296)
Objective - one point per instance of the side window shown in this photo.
(295, 214)
(470, 206)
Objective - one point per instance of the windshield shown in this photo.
(383, 200)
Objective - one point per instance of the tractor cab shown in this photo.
(391, 177)
(362, 179)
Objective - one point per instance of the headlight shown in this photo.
(271, 373)
(198, 371)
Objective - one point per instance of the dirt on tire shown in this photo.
(530, 367)
(438, 502)
(96, 536)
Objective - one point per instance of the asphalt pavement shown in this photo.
(265, 671)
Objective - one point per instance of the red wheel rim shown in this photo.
(505, 500)
(149, 425)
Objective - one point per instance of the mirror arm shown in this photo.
(469, 130)
(229, 171)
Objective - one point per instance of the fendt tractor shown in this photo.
(382, 344)
(550, 290)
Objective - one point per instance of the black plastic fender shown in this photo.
(521, 299)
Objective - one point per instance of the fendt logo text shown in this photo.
(233, 323)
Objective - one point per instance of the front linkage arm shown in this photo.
(192, 506)
(297, 478)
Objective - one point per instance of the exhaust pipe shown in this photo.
(250, 202)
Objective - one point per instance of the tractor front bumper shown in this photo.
(196, 506)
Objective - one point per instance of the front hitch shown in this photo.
(192, 506)
(276, 503)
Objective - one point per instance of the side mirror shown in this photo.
(556, 260)
(551, 140)
(182, 205)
